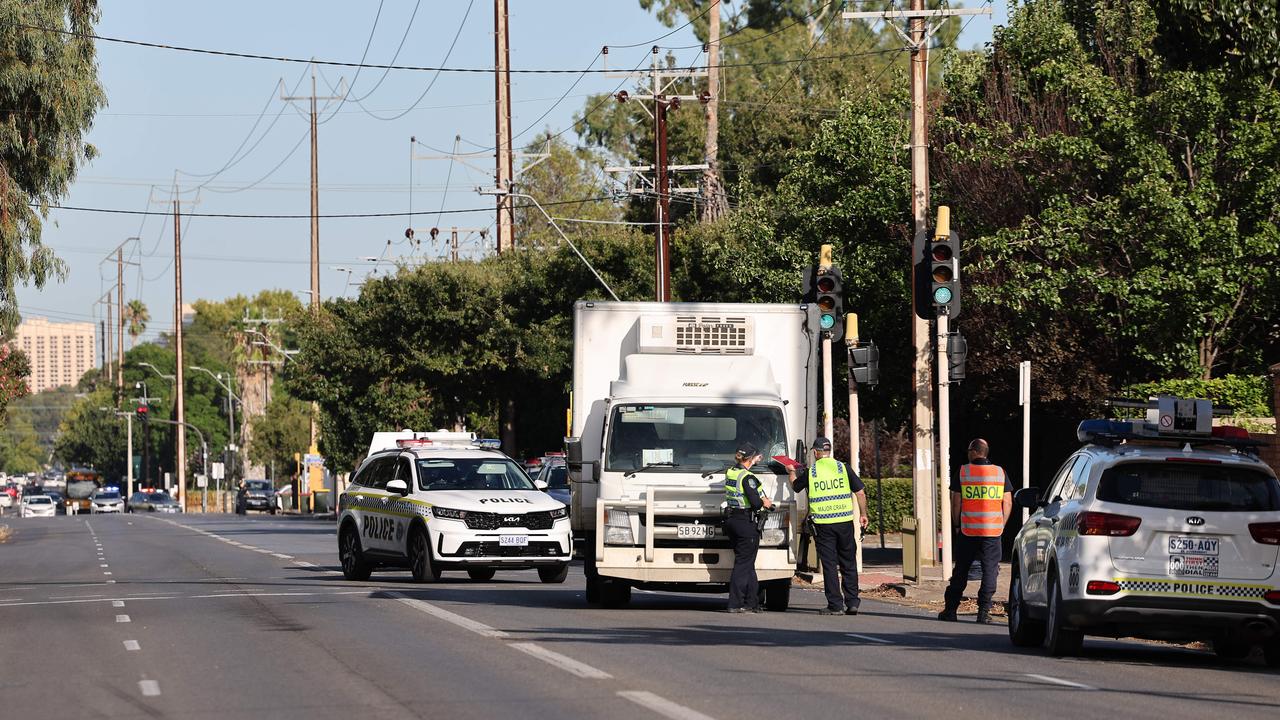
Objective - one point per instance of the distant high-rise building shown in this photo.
(60, 353)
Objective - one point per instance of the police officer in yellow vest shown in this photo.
(832, 489)
(981, 500)
(743, 497)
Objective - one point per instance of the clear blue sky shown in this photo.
(176, 112)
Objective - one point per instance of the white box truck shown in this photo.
(662, 395)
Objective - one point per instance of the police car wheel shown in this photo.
(354, 566)
(1024, 631)
(481, 574)
(554, 574)
(1231, 648)
(1058, 640)
(420, 563)
(1271, 653)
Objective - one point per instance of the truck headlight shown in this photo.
(617, 529)
(774, 521)
(773, 537)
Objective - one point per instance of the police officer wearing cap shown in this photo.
(743, 498)
(832, 489)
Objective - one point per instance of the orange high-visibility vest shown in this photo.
(981, 500)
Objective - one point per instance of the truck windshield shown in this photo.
(685, 438)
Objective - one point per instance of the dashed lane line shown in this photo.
(361, 591)
(282, 556)
(870, 638)
(132, 645)
(441, 613)
(117, 603)
(149, 688)
(564, 662)
(122, 618)
(662, 706)
(1059, 681)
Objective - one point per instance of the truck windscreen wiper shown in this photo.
(648, 466)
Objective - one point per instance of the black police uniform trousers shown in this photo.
(986, 550)
(744, 588)
(839, 565)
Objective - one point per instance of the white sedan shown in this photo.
(38, 506)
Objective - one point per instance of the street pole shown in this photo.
(662, 256)
(943, 230)
(1024, 399)
(128, 418)
(714, 206)
(504, 174)
(855, 430)
(180, 471)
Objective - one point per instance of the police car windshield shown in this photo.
(471, 474)
(1184, 486)
(690, 437)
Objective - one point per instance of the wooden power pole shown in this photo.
(502, 109)
(180, 465)
(714, 205)
(924, 469)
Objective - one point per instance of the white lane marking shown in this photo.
(1059, 681)
(462, 622)
(104, 565)
(564, 662)
(282, 556)
(303, 563)
(260, 550)
(117, 603)
(149, 688)
(106, 572)
(868, 637)
(122, 618)
(111, 581)
(132, 645)
(73, 597)
(662, 706)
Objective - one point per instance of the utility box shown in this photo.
(910, 551)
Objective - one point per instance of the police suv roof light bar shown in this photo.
(1168, 418)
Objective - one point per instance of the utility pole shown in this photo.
(714, 206)
(180, 465)
(661, 81)
(943, 230)
(118, 329)
(502, 124)
(924, 478)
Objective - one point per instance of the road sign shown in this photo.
(310, 459)
(217, 471)
(202, 481)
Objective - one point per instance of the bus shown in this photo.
(81, 483)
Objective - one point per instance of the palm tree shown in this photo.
(135, 313)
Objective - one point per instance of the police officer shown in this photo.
(981, 500)
(743, 498)
(832, 489)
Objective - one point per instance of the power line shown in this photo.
(294, 216)
(692, 20)
(414, 68)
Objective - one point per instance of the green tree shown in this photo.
(137, 316)
(14, 370)
(49, 93)
(284, 429)
(90, 437)
(20, 446)
(1118, 202)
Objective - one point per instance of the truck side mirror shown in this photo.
(573, 452)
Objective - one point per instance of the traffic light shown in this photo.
(944, 267)
(142, 412)
(829, 289)
(864, 364)
(957, 354)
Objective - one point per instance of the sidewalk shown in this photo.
(881, 579)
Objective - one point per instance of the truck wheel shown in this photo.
(354, 566)
(554, 574)
(481, 574)
(420, 564)
(1058, 639)
(1024, 631)
(615, 593)
(589, 570)
(593, 590)
(776, 595)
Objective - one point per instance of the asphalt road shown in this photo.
(227, 617)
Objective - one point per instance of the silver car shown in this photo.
(106, 501)
(38, 506)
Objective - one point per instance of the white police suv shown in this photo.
(1163, 528)
(445, 501)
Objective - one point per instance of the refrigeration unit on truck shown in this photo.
(663, 393)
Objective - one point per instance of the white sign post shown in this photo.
(1024, 399)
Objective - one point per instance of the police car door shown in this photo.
(376, 526)
(1046, 525)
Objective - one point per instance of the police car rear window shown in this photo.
(1184, 486)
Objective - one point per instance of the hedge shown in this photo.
(899, 502)
(1246, 395)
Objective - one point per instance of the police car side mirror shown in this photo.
(1028, 498)
(398, 486)
(541, 485)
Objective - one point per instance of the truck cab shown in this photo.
(663, 394)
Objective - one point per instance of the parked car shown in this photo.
(555, 473)
(38, 506)
(153, 502)
(136, 502)
(259, 495)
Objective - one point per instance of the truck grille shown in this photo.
(493, 521)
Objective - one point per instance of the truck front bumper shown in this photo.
(689, 565)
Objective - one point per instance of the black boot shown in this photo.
(984, 616)
(948, 615)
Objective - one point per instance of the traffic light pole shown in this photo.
(944, 442)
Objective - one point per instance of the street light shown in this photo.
(156, 370)
(266, 342)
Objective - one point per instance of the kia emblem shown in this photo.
(1195, 520)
